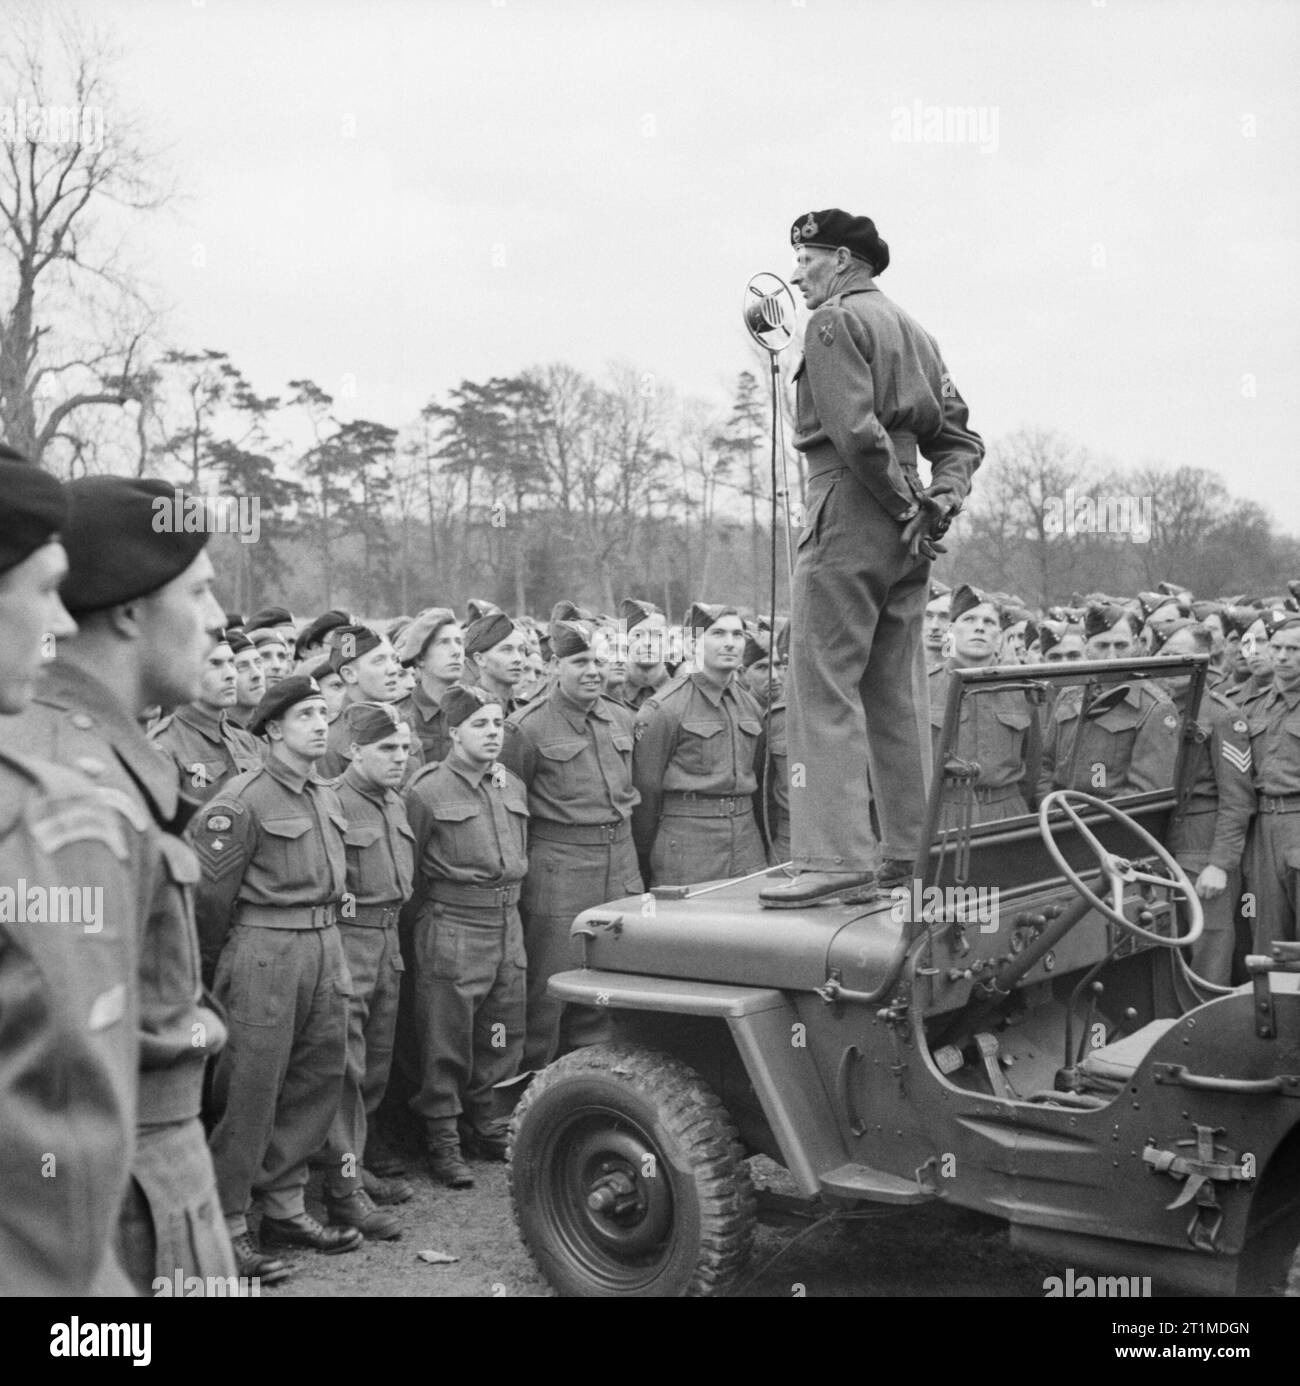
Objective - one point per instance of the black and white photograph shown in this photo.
(650, 649)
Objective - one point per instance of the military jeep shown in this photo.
(1051, 1060)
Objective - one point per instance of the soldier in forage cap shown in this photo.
(694, 763)
(69, 991)
(646, 670)
(573, 751)
(872, 393)
(274, 864)
(470, 818)
(142, 598)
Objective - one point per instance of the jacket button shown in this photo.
(83, 721)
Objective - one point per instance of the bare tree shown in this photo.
(73, 318)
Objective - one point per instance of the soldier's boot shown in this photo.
(386, 1191)
(381, 1158)
(358, 1210)
(487, 1145)
(446, 1163)
(816, 887)
(303, 1230)
(254, 1265)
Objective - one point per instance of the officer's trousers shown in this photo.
(857, 693)
(1273, 877)
(469, 1012)
(565, 878)
(280, 1076)
(375, 965)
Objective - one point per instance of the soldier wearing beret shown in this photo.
(1272, 863)
(276, 618)
(274, 650)
(206, 747)
(494, 648)
(1208, 832)
(993, 770)
(1257, 653)
(693, 764)
(69, 994)
(470, 817)
(1126, 741)
(380, 866)
(935, 627)
(250, 678)
(434, 646)
(872, 393)
(147, 620)
(313, 642)
(646, 670)
(573, 751)
(274, 875)
(368, 665)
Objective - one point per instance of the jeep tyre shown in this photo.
(627, 1178)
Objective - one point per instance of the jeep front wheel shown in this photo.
(626, 1177)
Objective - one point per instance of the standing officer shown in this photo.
(574, 755)
(206, 747)
(434, 646)
(380, 870)
(69, 994)
(147, 619)
(995, 759)
(1208, 832)
(470, 817)
(369, 668)
(274, 873)
(495, 648)
(1273, 855)
(693, 764)
(872, 392)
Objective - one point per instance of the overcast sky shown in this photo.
(406, 193)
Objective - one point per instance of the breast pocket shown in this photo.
(359, 842)
(459, 831)
(700, 749)
(560, 753)
(623, 745)
(288, 848)
(750, 729)
(1007, 756)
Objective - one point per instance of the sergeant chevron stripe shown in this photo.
(1238, 756)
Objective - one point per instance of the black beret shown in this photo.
(238, 641)
(351, 642)
(702, 615)
(633, 612)
(967, 598)
(476, 608)
(234, 620)
(121, 540)
(1102, 616)
(322, 669)
(416, 637)
(571, 638)
(267, 635)
(318, 629)
(833, 228)
(297, 688)
(459, 702)
(487, 632)
(368, 722)
(33, 508)
(269, 616)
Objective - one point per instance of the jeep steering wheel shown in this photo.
(1117, 870)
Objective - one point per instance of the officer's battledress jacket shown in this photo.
(69, 1027)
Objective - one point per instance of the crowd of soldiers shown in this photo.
(339, 859)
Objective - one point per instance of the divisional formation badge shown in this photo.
(1171, 721)
(1239, 726)
(827, 333)
(218, 823)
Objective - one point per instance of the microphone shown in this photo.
(768, 311)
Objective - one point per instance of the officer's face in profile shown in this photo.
(504, 662)
(177, 627)
(936, 622)
(1285, 648)
(616, 674)
(383, 763)
(250, 681)
(977, 634)
(1116, 643)
(582, 676)
(1257, 650)
(32, 618)
(444, 656)
(217, 689)
(813, 271)
(303, 731)
(722, 646)
(374, 676)
(333, 690)
(480, 736)
(1069, 649)
(1013, 643)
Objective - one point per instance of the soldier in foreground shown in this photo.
(872, 393)
(470, 818)
(274, 874)
(147, 621)
(69, 1041)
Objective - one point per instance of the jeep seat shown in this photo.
(1112, 1065)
